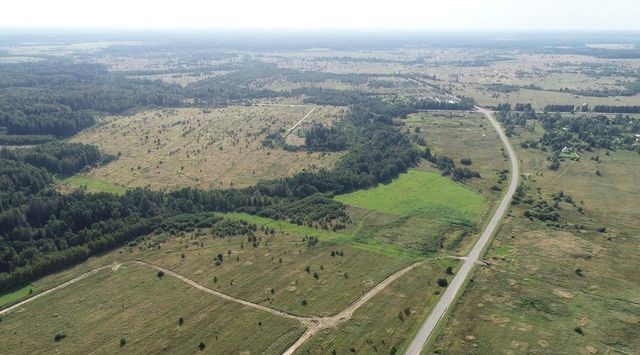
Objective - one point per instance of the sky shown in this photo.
(445, 15)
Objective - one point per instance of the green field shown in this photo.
(420, 211)
(14, 296)
(92, 185)
(420, 191)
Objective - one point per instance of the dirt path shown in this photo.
(305, 320)
(344, 315)
(457, 284)
(299, 122)
(56, 288)
(313, 324)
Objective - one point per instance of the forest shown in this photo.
(42, 230)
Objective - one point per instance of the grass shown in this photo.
(93, 185)
(340, 237)
(278, 263)
(15, 296)
(205, 148)
(418, 191)
(377, 327)
(533, 297)
(134, 304)
(420, 211)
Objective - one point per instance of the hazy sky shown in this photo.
(338, 14)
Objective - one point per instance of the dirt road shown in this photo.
(345, 314)
(456, 286)
(313, 324)
(298, 123)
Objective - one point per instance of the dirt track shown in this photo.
(313, 324)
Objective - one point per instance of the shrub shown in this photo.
(443, 282)
(123, 342)
(160, 273)
(59, 337)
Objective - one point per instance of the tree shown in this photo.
(443, 282)
(180, 321)
(202, 345)
(123, 342)
(160, 274)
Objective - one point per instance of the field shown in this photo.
(91, 185)
(206, 148)
(560, 287)
(461, 135)
(133, 304)
(419, 210)
(390, 319)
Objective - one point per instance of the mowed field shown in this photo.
(281, 271)
(206, 148)
(419, 210)
(390, 319)
(133, 304)
(566, 287)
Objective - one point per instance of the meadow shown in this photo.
(206, 148)
(132, 309)
(558, 287)
(419, 210)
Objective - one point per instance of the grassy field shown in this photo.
(133, 304)
(420, 210)
(15, 296)
(278, 263)
(206, 148)
(566, 287)
(92, 185)
(459, 136)
(390, 319)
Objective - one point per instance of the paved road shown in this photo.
(457, 284)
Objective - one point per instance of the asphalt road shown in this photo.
(456, 286)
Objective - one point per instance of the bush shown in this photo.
(202, 345)
(443, 282)
(59, 337)
(160, 273)
(123, 342)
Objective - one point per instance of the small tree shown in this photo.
(304, 302)
(180, 321)
(123, 342)
(443, 282)
(449, 270)
(202, 345)
(316, 276)
(160, 273)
